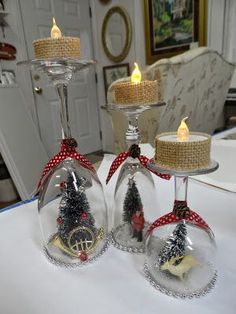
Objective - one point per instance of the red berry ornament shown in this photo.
(59, 220)
(83, 216)
(83, 256)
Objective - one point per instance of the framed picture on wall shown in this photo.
(112, 73)
(171, 26)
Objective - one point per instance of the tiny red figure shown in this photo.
(137, 223)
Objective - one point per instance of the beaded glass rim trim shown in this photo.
(196, 294)
(125, 248)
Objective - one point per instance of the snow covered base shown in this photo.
(186, 291)
(121, 237)
(197, 282)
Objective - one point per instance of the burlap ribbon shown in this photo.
(133, 152)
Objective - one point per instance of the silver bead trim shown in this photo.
(79, 264)
(195, 294)
(125, 248)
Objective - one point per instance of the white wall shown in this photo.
(229, 35)
(14, 34)
(221, 29)
(98, 13)
(137, 52)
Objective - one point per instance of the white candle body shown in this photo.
(173, 138)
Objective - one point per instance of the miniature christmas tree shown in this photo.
(175, 244)
(74, 208)
(132, 202)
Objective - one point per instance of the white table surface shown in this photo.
(224, 133)
(114, 284)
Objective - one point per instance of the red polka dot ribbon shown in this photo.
(143, 160)
(67, 150)
(171, 217)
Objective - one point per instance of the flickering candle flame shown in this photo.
(136, 74)
(183, 131)
(55, 31)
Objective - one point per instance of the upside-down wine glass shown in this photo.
(71, 204)
(134, 198)
(180, 246)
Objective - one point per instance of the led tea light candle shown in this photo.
(57, 46)
(136, 91)
(183, 150)
(55, 31)
(183, 131)
(136, 75)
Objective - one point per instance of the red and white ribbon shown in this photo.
(171, 217)
(143, 160)
(66, 151)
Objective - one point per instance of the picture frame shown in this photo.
(112, 73)
(171, 27)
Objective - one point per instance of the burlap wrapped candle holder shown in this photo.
(183, 155)
(47, 48)
(144, 92)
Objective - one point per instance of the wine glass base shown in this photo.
(59, 70)
(138, 108)
(159, 168)
(41, 64)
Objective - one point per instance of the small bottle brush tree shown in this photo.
(132, 201)
(74, 208)
(175, 244)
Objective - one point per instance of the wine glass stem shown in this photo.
(132, 134)
(62, 90)
(181, 188)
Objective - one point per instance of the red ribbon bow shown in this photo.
(134, 152)
(172, 217)
(67, 150)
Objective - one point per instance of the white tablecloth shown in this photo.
(114, 284)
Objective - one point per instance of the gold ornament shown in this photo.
(87, 239)
(86, 243)
(57, 242)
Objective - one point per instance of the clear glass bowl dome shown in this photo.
(135, 206)
(180, 259)
(73, 215)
